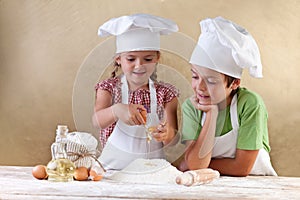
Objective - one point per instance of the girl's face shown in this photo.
(210, 86)
(138, 66)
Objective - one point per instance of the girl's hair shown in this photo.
(117, 66)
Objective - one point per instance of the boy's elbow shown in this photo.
(242, 172)
(245, 172)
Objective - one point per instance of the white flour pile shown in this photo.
(151, 171)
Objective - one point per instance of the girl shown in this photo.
(122, 100)
(225, 125)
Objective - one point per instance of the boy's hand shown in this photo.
(202, 107)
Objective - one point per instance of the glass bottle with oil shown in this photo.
(60, 168)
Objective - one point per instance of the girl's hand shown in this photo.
(162, 133)
(129, 113)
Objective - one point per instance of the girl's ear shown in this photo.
(235, 84)
(118, 60)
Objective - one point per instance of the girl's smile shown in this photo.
(138, 66)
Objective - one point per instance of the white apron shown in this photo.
(225, 145)
(127, 143)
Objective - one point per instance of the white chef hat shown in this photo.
(137, 32)
(226, 47)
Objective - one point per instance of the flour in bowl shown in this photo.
(151, 171)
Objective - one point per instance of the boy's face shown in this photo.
(138, 66)
(210, 86)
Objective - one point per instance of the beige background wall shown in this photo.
(43, 44)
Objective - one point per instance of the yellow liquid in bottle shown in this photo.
(60, 170)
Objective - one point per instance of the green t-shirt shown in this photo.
(252, 117)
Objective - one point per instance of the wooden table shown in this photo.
(18, 183)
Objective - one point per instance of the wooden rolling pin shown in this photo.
(197, 177)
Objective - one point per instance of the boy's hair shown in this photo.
(229, 80)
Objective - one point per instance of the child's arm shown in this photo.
(198, 153)
(241, 165)
(105, 113)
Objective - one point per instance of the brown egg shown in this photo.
(39, 172)
(94, 176)
(81, 173)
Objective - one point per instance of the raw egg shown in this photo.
(81, 173)
(39, 172)
(94, 176)
(96, 173)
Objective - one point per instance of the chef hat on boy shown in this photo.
(226, 47)
(137, 32)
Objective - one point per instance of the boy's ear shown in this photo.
(158, 55)
(235, 84)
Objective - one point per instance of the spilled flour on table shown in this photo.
(151, 171)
